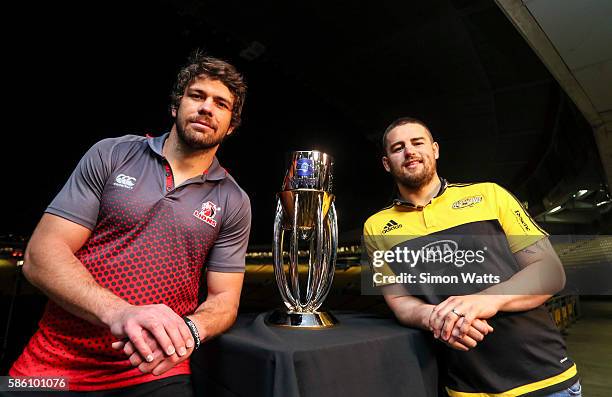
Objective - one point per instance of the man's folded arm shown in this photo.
(214, 316)
(408, 310)
(540, 277)
(414, 312)
(50, 265)
(218, 312)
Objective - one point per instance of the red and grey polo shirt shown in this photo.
(150, 241)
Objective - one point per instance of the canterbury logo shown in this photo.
(467, 202)
(391, 225)
(126, 181)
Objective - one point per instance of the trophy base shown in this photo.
(316, 320)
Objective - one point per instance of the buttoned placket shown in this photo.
(169, 178)
(429, 215)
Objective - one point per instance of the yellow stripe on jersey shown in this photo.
(521, 390)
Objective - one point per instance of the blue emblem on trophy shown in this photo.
(304, 167)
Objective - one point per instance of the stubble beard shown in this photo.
(417, 180)
(197, 141)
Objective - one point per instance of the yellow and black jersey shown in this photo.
(525, 355)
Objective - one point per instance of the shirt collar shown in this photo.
(157, 143)
(214, 173)
(399, 201)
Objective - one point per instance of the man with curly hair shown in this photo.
(120, 251)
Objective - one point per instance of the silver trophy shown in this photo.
(305, 215)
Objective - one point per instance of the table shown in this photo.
(364, 355)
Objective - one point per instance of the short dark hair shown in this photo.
(202, 65)
(397, 123)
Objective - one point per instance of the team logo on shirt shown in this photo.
(207, 213)
(125, 181)
(467, 202)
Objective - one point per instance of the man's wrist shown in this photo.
(108, 314)
(498, 301)
(426, 311)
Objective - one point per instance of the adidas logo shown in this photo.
(391, 225)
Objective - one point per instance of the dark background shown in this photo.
(321, 76)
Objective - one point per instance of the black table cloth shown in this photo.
(364, 356)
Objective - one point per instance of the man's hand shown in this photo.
(213, 316)
(475, 334)
(160, 363)
(541, 275)
(168, 329)
(413, 312)
(446, 316)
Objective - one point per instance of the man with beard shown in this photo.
(121, 249)
(499, 338)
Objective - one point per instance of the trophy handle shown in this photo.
(316, 257)
(277, 256)
(294, 247)
(328, 260)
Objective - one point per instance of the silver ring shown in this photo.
(457, 313)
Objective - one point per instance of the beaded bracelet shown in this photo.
(194, 331)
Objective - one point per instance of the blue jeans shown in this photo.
(574, 390)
